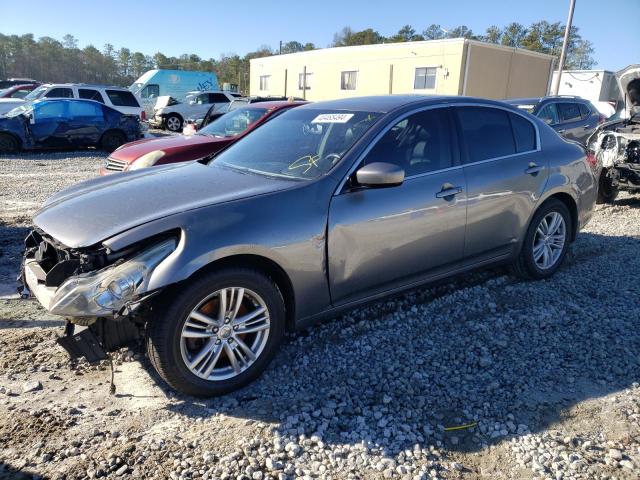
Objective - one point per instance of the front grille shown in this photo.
(114, 165)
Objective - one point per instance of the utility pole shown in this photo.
(565, 44)
(280, 47)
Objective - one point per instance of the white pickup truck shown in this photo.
(171, 114)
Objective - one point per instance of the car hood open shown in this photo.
(629, 83)
(98, 209)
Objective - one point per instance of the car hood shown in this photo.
(97, 209)
(629, 84)
(178, 144)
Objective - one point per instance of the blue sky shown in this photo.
(212, 28)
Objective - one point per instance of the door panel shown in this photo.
(381, 237)
(505, 175)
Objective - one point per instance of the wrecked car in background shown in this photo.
(616, 143)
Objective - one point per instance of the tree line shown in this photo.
(51, 60)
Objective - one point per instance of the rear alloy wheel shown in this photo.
(218, 333)
(546, 242)
(112, 140)
(173, 123)
(8, 143)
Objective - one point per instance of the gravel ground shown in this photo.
(484, 377)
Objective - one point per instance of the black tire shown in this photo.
(607, 193)
(173, 122)
(9, 143)
(112, 140)
(525, 266)
(168, 316)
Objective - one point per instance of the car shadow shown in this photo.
(497, 369)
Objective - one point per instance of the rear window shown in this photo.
(569, 112)
(487, 133)
(90, 94)
(122, 98)
(524, 133)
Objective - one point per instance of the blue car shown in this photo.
(66, 123)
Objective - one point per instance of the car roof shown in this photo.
(91, 85)
(524, 101)
(388, 103)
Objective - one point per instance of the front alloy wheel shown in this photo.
(225, 334)
(217, 332)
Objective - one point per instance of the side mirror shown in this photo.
(380, 174)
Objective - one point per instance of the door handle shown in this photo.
(562, 130)
(533, 169)
(448, 191)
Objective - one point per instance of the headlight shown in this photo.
(105, 292)
(147, 160)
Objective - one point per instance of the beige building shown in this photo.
(443, 67)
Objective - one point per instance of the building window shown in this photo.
(348, 80)
(425, 78)
(301, 81)
(264, 82)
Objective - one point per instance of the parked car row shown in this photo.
(293, 212)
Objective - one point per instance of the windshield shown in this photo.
(300, 143)
(37, 93)
(233, 123)
(135, 87)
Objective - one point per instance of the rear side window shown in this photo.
(59, 93)
(90, 94)
(569, 112)
(122, 98)
(487, 133)
(524, 133)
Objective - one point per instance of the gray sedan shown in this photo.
(325, 207)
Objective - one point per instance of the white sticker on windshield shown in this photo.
(332, 118)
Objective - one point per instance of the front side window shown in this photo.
(203, 99)
(264, 82)
(150, 91)
(90, 94)
(301, 81)
(420, 143)
(84, 110)
(122, 98)
(59, 93)
(425, 78)
(233, 123)
(49, 111)
(486, 132)
(548, 114)
(348, 80)
(569, 112)
(299, 144)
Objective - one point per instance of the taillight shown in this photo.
(591, 159)
(143, 115)
(601, 119)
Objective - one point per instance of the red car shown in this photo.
(18, 91)
(210, 139)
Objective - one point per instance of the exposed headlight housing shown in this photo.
(147, 160)
(105, 292)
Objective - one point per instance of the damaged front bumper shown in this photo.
(93, 288)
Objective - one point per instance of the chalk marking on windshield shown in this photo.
(307, 161)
